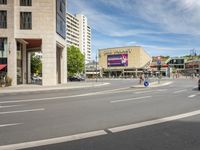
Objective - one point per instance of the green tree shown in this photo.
(36, 64)
(75, 61)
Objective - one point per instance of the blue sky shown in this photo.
(162, 27)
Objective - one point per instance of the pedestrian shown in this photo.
(141, 79)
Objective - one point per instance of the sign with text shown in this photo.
(117, 60)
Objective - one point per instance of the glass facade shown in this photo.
(19, 63)
(3, 50)
(61, 18)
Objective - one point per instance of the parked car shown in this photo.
(199, 84)
(76, 78)
(36, 79)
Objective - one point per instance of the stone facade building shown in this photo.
(34, 26)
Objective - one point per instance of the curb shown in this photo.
(153, 84)
(38, 90)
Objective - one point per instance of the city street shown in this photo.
(111, 117)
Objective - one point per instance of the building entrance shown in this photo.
(27, 51)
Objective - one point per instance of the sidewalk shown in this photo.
(153, 84)
(36, 88)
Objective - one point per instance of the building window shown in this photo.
(25, 2)
(25, 20)
(3, 19)
(3, 50)
(3, 2)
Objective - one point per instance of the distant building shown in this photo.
(168, 65)
(155, 64)
(73, 32)
(176, 63)
(123, 61)
(79, 34)
(93, 70)
(192, 67)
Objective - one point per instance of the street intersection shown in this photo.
(114, 116)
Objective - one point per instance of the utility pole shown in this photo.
(96, 67)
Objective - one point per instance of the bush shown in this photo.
(8, 81)
(5, 81)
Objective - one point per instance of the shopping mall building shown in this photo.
(123, 61)
(33, 26)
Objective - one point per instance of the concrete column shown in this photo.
(29, 67)
(24, 60)
(63, 65)
(12, 60)
(49, 62)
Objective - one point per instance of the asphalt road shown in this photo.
(110, 117)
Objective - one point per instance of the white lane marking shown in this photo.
(191, 96)
(21, 111)
(130, 99)
(168, 83)
(10, 106)
(158, 90)
(65, 97)
(180, 91)
(152, 122)
(53, 140)
(7, 125)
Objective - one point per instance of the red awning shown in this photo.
(2, 66)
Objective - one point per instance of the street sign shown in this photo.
(146, 83)
(158, 62)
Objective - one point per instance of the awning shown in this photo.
(2, 66)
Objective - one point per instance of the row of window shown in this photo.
(25, 20)
(3, 50)
(22, 2)
(26, 17)
(3, 2)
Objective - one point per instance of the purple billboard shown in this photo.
(117, 60)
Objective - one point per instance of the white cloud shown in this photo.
(174, 16)
(169, 16)
(108, 24)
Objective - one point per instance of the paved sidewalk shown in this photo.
(36, 88)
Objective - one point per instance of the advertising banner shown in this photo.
(117, 60)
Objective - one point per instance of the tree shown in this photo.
(75, 60)
(36, 64)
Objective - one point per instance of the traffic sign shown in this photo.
(146, 83)
(158, 62)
